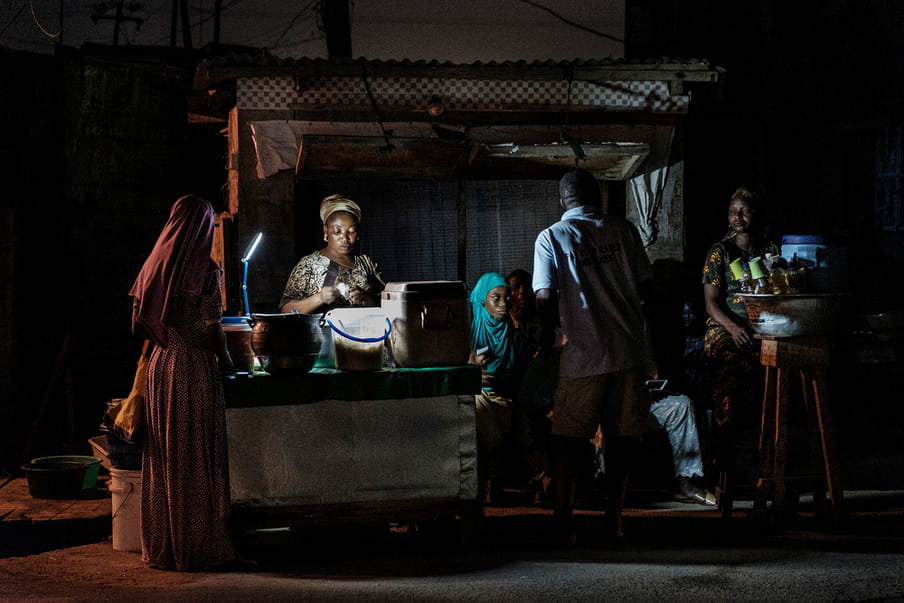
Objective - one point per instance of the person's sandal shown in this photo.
(688, 492)
(702, 497)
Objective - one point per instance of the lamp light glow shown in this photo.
(252, 247)
(245, 258)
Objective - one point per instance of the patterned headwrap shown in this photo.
(177, 266)
(335, 203)
(488, 330)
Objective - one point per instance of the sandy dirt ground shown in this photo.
(88, 571)
(73, 559)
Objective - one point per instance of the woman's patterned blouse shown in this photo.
(308, 275)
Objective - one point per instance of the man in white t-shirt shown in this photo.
(590, 274)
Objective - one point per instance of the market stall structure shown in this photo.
(456, 165)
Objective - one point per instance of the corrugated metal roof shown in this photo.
(230, 65)
(232, 58)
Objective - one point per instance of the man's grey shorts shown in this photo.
(619, 402)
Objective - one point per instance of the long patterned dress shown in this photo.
(185, 485)
(737, 373)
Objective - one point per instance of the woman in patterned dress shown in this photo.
(728, 340)
(334, 276)
(185, 503)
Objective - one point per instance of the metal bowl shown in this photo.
(796, 314)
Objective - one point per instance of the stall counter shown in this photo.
(332, 443)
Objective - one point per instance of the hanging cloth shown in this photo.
(648, 188)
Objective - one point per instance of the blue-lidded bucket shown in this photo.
(826, 262)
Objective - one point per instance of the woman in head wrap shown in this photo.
(184, 487)
(497, 347)
(334, 276)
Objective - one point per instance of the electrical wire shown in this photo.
(298, 44)
(38, 23)
(572, 23)
(210, 15)
(303, 13)
(576, 147)
(373, 103)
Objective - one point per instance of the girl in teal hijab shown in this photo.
(492, 335)
(491, 328)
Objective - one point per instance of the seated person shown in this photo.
(694, 378)
(498, 348)
(533, 411)
(523, 310)
(675, 413)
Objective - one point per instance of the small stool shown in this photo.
(784, 359)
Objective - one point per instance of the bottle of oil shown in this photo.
(775, 265)
(779, 279)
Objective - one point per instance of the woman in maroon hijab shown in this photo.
(185, 485)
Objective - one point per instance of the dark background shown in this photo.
(96, 147)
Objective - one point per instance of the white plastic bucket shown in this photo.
(125, 487)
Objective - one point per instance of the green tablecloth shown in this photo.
(332, 384)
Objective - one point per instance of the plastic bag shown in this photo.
(124, 417)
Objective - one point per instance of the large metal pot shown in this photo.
(286, 342)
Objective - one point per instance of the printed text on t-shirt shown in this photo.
(601, 254)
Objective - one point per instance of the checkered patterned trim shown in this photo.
(281, 93)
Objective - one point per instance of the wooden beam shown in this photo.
(363, 156)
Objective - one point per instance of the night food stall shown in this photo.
(456, 165)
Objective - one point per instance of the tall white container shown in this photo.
(125, 487)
